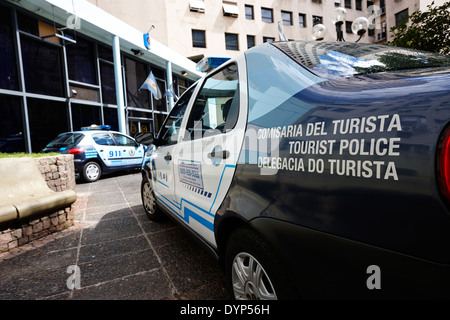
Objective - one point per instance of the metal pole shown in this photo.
(119, 85)
(26, 120)
(169, 82)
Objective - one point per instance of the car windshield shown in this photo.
(65, 139)
(331, 60)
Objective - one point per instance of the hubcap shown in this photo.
(148, 198)
(92, 172)
(250, 281)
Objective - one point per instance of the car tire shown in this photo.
(149, 201)
(253, 272)
(92, 171)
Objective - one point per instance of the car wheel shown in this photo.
(149, 201)
(253, 273)
(92, 171)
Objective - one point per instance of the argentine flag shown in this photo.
(151, 85)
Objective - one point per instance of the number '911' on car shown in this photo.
(313, 169)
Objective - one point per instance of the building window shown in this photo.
(358, 5)
(286, 16)
(84, 115)
(81, 61)
(348, 26)
(401, 16)
(249, 13)
(42, 67)
(267, 15)
(135, 75)
(111, 119)
(231, 41)
(337, 3)
(198, 38)
(8, 73)
(348, 4)
(84, 92)
(250, 41)
(108, 83)
(302, 20)
(27, 24)
(268, 39)
(12, 138)
(105, 53)
(47, 119)
(316, 20)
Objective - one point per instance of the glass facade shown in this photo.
(49, 86)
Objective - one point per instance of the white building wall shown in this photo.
(174, 21)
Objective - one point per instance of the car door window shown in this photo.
(103, 138)
(171, 128)
(122, 140)
(216, 107)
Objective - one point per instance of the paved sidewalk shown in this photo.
(119, 252)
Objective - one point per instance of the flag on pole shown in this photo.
(170, 93)
(151, 85)
(147, 40)
(281, 35)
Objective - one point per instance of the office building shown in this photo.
(392, 12)
(68, 64)
(197, 28)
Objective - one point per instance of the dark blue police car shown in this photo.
(98, 150)
(314, 169)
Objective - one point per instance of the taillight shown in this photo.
(444, 164)
(76, 150)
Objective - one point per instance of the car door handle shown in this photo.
(168, 157)
(219, 154)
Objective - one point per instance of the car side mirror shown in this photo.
(145, 138)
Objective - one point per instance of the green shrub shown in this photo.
(24, 154)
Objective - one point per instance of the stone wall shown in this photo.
(59, 173)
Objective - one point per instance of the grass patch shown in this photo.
(24, 154)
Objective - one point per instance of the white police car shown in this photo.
(98, 150)
(314, 169)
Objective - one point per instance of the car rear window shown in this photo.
(331, 60)
(66, 139)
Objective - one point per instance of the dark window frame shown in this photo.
(289, 21)
(267, 15)
(198, 38)
(249, 12)
(231, 41)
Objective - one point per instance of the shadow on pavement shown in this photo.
(119, 252)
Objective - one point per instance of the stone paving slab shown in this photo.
(120, 254)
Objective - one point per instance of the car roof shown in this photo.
(332, 60)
